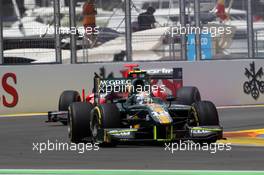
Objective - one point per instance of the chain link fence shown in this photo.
(30, 35)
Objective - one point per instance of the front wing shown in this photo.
(161, 134)
(58, 116)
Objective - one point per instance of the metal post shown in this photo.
(183, 24)
(251, 46)
(197, 25)
(128, 30)
(256, 41)
(57, 26)
(172, 54)
(170, 45)
(1, 35)
(189, 11)
(73, 27)
(173, 50)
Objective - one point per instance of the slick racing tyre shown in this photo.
(205, 114)
(67, 98)
(188, 95)
(104, 116)
(79, 121)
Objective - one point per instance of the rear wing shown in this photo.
(104, 86)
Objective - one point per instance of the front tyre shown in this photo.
(104, 116)
(205, 114)
(79, 121)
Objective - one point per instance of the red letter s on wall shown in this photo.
(10, 90)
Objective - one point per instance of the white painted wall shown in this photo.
(39, 86)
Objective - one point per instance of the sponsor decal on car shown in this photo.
(115, 82)
(201, 131)
(124, 132)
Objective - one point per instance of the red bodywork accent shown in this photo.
(130, 68)
(159, 93)
(90, 98)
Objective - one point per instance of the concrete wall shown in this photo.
(38, 87)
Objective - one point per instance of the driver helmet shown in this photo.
(143, 98)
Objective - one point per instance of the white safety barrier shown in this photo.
(37, 88)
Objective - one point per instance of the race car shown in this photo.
(132, 113)
(70, 96)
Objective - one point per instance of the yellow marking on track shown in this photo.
(244, 137)
(250, 130)
(24, 115)
(252, 133)
(244, 141)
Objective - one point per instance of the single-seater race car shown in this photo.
(132, 113)
(68, 97)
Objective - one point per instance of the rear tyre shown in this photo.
(79, 121)
(67, 98)
(105, 116)
(188, 95)
(205, 114)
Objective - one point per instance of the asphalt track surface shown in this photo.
(19, 133)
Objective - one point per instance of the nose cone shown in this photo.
(160, 114)
(165, 120)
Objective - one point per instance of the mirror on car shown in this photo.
(171, 98)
